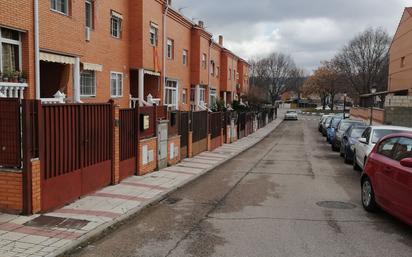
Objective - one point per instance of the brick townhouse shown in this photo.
(93, 51)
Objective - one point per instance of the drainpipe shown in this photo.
(36, 49)
(208, 73)
(164, 49)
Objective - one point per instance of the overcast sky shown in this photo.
(309, 30)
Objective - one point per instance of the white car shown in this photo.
(367, 142)
(291, 115)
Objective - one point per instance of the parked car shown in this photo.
(291, 115)
(349, 139)
(341, 129)
(325, 125)
(320, 108)
(368, 140)
(331, 130)
(387, 179)
(321, 121)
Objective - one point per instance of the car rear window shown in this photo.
(346, 124)
(379, 133)
(335, 122)
(403, 149)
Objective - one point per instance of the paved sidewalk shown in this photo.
(56, 232)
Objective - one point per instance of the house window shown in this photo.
(230, 74)
(61, 6)
(212, 68)
(116, 24)
(171, 96)
(89, 14)
(170, 50)
(116, 84)
(202, 94)
(204, 57)
(87, 83)
(10, 50)
(217, 71)
(185, 57)
(212, 97)
(153, 34)
(184, 96)
(403, 61)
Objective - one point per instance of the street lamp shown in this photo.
(373, 91)
(344, 105)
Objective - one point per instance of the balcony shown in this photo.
(12, 90)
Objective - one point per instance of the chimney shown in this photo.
(169, 2)
(201, 24)
(221, 40)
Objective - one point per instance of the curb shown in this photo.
(83, 240)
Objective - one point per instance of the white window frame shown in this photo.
(153, 31)
(212, 94)
(202, 94)
(212, 68)
(204, 61)
(54, 4)
(185, 57)
(119, 84)
(93, 86)
(91, 14)
(184, 96)
(175, 99)
(170, 49)
(12, 42)
(118, 27)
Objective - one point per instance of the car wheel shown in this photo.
(368, 196)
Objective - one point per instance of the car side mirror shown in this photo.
(407, 162)
(363, 140)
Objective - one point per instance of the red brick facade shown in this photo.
(11, 191)
(148, 165)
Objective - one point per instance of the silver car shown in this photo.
(291, 115)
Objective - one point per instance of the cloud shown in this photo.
(310, 31)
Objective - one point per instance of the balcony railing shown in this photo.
(12, 90)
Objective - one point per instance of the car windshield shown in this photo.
(291, 112)
(346, 124)
(379, 133)
(357, 132)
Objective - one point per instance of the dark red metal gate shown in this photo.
(10, 133)
(184, 121)
(128, 142)
(75, 151)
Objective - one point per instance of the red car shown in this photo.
(387, 177)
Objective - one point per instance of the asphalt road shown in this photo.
(265, 202)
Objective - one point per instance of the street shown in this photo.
(288, 196)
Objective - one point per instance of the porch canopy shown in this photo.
(57, 58)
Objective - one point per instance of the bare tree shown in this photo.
(364, 61)
(279, 68)
(296, 80)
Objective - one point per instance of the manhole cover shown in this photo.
(336, 205)
(50, 222)
(172, 200)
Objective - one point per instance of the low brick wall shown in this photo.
(364, 114)
(214, 143)
(173, 156)
(11, 191)
(147, 150)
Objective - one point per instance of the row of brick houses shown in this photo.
(95, 91)
(93, 51)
